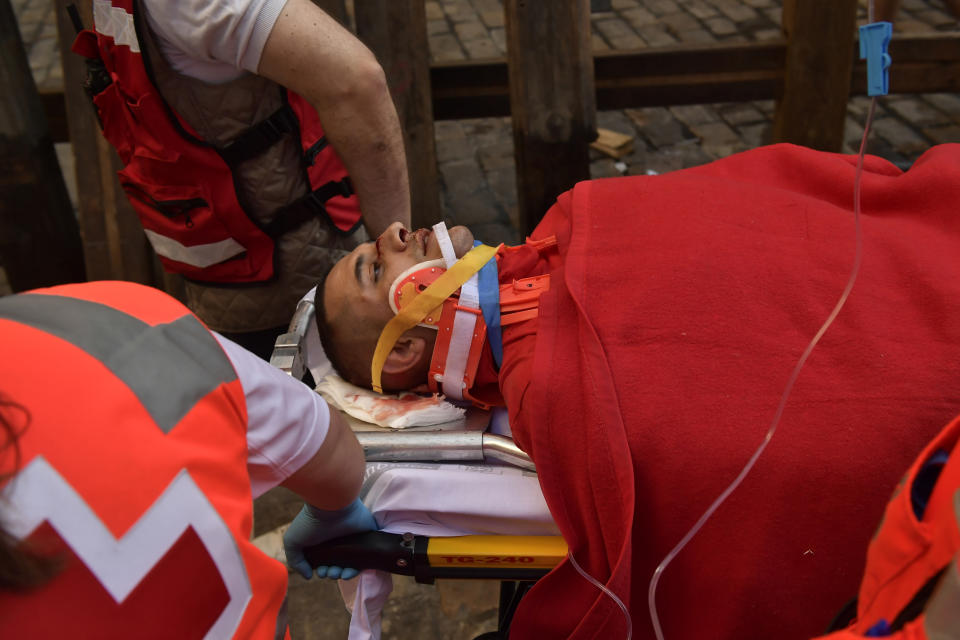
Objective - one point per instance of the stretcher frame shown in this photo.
(516, 561)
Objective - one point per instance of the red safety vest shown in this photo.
(910, 559)
(182, 187)
(132, 471)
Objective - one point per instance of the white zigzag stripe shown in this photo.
(40, 493)
(115, 22)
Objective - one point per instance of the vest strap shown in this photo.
(311, 205)
(310, 155)
(260, 137)
(488, 283)
(461, 336)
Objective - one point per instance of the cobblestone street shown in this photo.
(476, 156)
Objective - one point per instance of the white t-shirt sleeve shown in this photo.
(212, 40)
(287, 421)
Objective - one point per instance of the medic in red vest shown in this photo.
(131, 427)
(181, 186)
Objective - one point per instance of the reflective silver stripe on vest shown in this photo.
(169, 367)
(198, 255)
(115, 22)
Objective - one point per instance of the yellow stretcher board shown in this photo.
(492, 552)
(426, 558)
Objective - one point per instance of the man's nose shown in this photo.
(392, 238)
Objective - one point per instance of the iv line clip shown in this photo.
(874, 39)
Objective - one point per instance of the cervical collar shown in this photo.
(424, 295)
(412, 283)
(443, 295)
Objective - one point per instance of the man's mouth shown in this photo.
(421, 236)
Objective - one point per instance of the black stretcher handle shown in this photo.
(391, 552)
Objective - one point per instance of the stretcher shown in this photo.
(455, 501)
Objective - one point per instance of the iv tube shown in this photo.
(858, 256)
(606, 591)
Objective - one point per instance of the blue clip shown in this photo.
(880, 630)
(874, 39)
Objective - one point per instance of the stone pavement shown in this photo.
(479, 189)
(476, 156)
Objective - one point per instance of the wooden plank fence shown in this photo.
(552, 85)
(39, 243)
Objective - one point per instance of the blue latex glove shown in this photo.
(313, 526)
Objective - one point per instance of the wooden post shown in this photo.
(84, 133)
(552, 100)
(820, 46)
(39, 239)
(396, 31)
(115, 246)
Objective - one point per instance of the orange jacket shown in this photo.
(131, 429)
(910, 556)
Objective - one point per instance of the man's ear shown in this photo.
(405, 355)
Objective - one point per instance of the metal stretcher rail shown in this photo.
(442, 445)
(288, 348)
(516, 561)
(432, 446)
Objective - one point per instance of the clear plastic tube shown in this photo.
(858, 256)
(605, 590)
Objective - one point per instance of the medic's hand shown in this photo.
(313, 526)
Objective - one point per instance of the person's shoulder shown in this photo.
(211, 40)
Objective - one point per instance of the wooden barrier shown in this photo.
(396, 31)
(39, 242)
(115, 246)
(665, 76)
(554, 86)
(812, 104)
(551, 100)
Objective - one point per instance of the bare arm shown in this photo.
(312, 54)
(331, 479)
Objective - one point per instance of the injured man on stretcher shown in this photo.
(641, 339)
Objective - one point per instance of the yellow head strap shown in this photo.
(428, 300)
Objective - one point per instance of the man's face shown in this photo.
(362, 279)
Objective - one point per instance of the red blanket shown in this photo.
(678, 309)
